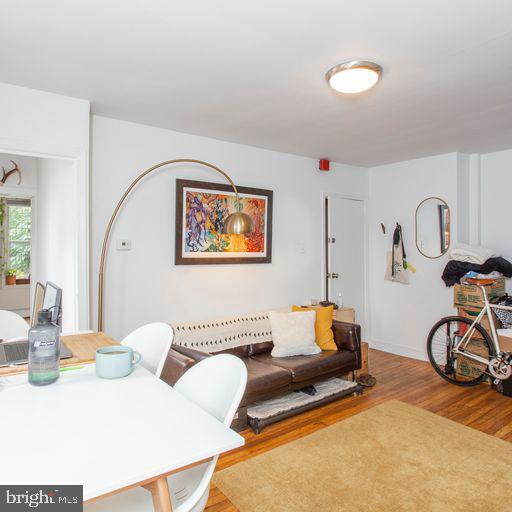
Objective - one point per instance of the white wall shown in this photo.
(41, 122)
(38, 123)
(142, 288)
(55, 248)
(402, 315)
(28, 168)
(143, 285)
(496, 194)
(477, 189)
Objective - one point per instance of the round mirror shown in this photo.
(433, 227)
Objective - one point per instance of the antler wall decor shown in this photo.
(8, 173)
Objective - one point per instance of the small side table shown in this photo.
(345, 315)
(364, 358)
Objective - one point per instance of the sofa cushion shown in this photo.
(241, 351)
(260, 348)
(324, 336)
(304, 368)
(293, 334)
(264, 377)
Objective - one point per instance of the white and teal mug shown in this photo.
(116, 361)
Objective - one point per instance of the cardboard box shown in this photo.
(467, 368)
(471, 314)
(345, 315)
(470, 295)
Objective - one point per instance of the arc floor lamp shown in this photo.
(237, 222)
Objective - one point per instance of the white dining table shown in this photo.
(107, 435)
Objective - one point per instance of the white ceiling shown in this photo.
(253, 71)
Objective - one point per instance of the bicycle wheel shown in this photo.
(457, 368)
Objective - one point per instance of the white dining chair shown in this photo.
(217, 385)
(153, 342)
(12, 326)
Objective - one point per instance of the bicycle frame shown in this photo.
(460, 347)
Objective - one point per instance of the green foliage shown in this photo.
(19, 223)
(19, 257)
(11, 272)
(19, 233)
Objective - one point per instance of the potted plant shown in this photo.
(10, 276)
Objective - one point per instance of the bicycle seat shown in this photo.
(480, 282)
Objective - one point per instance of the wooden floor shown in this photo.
(409, 380)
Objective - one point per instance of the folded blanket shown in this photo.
(472, 254)
(454, 270)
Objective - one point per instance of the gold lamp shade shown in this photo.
(238, 223)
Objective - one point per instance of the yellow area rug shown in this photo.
(393, 457)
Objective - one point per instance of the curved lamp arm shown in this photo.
(246, 223)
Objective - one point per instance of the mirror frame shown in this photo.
(416, 228)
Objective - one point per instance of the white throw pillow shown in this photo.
(293, 334)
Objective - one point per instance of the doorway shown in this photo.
(345, 278)
(39, 234)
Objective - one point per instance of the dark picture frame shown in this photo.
(204, 258)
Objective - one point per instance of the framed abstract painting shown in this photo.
(201, 210)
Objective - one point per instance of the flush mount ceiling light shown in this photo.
(354, 76)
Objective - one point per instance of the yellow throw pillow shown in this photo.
(323, 326)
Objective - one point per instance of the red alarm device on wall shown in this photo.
(323, 164)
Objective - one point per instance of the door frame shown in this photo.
(366, 309)
(81, 198)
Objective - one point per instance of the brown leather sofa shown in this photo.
(270, 376)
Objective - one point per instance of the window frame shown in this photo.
(13, 202)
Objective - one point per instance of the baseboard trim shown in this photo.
(399, 350)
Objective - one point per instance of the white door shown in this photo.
(345, 253)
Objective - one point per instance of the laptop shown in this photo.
(16, 352)
(52, 300)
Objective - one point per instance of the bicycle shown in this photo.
(462, 352)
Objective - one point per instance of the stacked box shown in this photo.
(467, 367)
(471, 314)
(470, 295)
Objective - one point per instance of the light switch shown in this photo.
(123, 245)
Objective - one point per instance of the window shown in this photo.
(18, 235)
